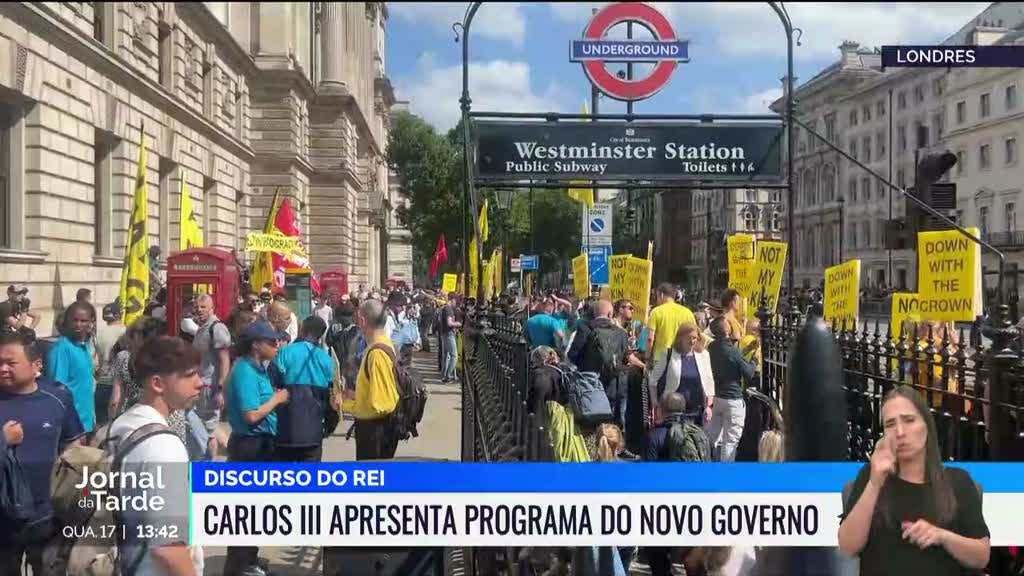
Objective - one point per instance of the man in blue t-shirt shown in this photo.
(40, 419)
(306, 371)
(543, 329)
(69, 361)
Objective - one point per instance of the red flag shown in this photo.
(440, 256)
(286, 223)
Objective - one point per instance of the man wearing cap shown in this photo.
(17, 296)
(106, 337)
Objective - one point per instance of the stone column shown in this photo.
(332, 46)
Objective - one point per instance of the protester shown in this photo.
(730, 372)
(907, 513)
(9, 317)
(624, 310)
(605, 351)
(685, 368)
(543, 329)
(665, 320)
(750, 346)
(106, 338)
(731, 302)
(376, 394)
(292, 327)
(40, 422)
(167, 370)
(251, 406)
(323, 310)
(342, 339)
(213, 341)
(17, 295)
(545, 380)
(306, 372)
(449, 336)
(69, 361)
(280, 317)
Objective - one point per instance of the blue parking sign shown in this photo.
(599, 264)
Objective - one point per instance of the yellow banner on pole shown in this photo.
(905, 308)
(742, 261)
(768, 268)
(949, 272)
(450, 284)
(581, 275)
(630, 279)
(135, 272)
(842, 294)
(274, 242)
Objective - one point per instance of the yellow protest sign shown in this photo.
(949, 276)
(905, 308)
(771, 261)
(842, 294)
(742, 260)
(274, 242)
(630, 279)
(581, 275)
(450, 283)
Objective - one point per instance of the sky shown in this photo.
(520, 52)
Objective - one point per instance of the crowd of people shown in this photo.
(259, 385)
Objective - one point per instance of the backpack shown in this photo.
(412, 396)
(93, 555)
(17, 506)
(342, 341)
(686, 442)
(599, 346)
(584, 394)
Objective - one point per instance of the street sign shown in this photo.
(599, 256)
(516, 265)
(661, 150)
(597, 225)
(595, 52)
(529, 262)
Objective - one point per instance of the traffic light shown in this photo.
(901, 234)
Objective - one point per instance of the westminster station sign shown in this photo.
(634, 151)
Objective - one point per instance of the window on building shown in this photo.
(879, 190)
(901, 178)
(985, 105)
(1011, 97)
(865, 233)
(866, 111)
(750, 219)
(103, 23)
(102, 206)
(901, 138)
(901, 279)
(751, 196)
(853, 148)
(922, 136)
(961, 162)
(937, 87)
(880, 108)
(776, 221)
(983, 157)
(853, 117)
(961, 112)
(880, 144)
(830, 127)
(775, 197)
(1011, 216)
(811, 140)
(866, 145)
(853, 235)
(983, 220)
(165, 58)
(901, 100)
(828, 183)
(209, 81)
(918, 94)
(853, 190)
(1010, 150)
(865, 189)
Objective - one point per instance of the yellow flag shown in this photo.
(135, 272)
(190, 233)
(497, 266)
(474, 269)
(263, 268)
(582, 195)
(484, 232)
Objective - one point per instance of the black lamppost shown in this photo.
(842, 229)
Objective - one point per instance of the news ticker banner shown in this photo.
(535, 504)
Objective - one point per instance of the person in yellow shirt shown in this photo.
(665, 320)
(731, 309)
(376, 395)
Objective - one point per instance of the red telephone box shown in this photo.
(210, 270)
(334, 284)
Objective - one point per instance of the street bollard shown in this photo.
(815, 431)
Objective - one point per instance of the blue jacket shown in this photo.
(307, 372)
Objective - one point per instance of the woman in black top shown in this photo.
(907, 513)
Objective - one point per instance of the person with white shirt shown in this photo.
(685, 368)
(167, 370)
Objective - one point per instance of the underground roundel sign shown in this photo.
(595, 52)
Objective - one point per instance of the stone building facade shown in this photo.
(236, 99)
